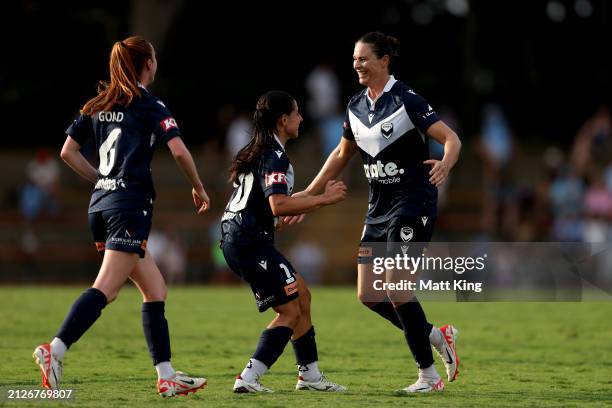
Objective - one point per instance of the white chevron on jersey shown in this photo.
(371, 140)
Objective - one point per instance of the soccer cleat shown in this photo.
(423, 385)
(180, 384)
(322, 385)
(50, 367)
(448, 351)
(242, 387)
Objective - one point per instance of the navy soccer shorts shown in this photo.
(270, 274)
(401, 234)
(125, 230)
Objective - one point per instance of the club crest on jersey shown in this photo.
(168, 124)
(386, 129)
(406, 234)
(275, 178)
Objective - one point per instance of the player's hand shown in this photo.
(438, 173)
(293, 219)
(200, 199)
(335, 191)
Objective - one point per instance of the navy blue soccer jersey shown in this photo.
(392, 141)
(248, 217)
(125, 138)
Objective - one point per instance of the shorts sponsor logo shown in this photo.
(275, 178)
(264, 302)
(291, 288)
(168, 123)
(386, 129)
(406, 234)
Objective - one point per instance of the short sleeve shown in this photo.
(347, 132)
(419, 111)
(81, 129)
(273, 173)
(165, 125)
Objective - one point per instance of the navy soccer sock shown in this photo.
(156, 332)
(271, 344)
(83, 314)
(305, 348)
(416, 330)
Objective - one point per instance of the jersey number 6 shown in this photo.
(107, 152)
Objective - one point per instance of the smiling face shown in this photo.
(370, 69)
(289, 124)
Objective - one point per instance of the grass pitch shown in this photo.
(512, 354)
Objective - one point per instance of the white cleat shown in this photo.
(242, 387)
(448, 351)
(50, 367)
(180, 384)
(423, 385)
(323, 385)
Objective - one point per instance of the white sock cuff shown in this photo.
(165, 370)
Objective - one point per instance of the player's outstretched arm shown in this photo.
(335, 163)
(283, 205)
(452, 146)
(185, 161)
(71, 154)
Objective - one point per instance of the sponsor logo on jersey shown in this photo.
(406, 234)
(110, 116)
(386, 129)
(383, 172)
(275, 178)
(168, 123)
(279, 153)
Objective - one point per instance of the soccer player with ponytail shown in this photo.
(126, 123)
(263, 181)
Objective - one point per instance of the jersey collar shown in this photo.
(387, 88)
(279, 142)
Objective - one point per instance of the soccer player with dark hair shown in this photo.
(262, 176)
(126, 123)
(388, 124)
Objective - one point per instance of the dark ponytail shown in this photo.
(270, 107)
(382, 45)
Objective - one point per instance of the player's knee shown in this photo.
(291, 316)
(156, 295)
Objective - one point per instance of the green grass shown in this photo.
(512, 354)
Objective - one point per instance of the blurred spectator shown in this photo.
(436, 150)
(169, 254)
(499, 215)
(42, 188)
(238, 133)
(598, 210)
(308, 258)
(323, 105)
(566, 197)
(593, 143)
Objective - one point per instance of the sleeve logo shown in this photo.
(168, 123)
(275, 178)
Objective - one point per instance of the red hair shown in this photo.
(127, 59)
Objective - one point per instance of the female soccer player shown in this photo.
(263, 181)
(126, 123)
(387, 123)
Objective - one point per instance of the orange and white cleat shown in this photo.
(448, 351)
(180, 384)
(50, 367)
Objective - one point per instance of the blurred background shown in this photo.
(526, 85)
